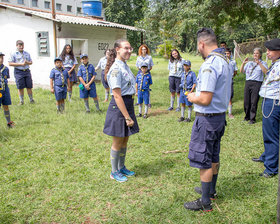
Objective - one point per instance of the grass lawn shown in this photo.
(55, 168)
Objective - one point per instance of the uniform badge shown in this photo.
(0, 95)
(5, 77)
(115, 73)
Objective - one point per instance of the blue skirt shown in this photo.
(73, 77)
(115, 124)
(104, 82)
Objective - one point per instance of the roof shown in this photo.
(63, 18)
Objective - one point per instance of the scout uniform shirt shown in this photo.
(253, 71)
(60, 76)
(86, 72)
(213, 77)
(120, 76)
(144, 81)
(4, 76)
(102, 63)
(176, 68)
(20, 57)
(68, 62)
(187, 80)
(148, 59)
(271, 86)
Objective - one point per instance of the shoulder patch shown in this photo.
(114, 73)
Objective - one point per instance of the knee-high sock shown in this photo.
(146, 108)
(115, 158)
(189, 112)
(140, 108)
(62, 107)
(106, 95)
(69, 95)
(213, 185)
(172, 101)
(178, 102)
(122, 158)
(96, 104)
(30, 97)
(229, 109)
(7, 116)
(21, 98)
(205, 198)
(182, 111)
(86, 105)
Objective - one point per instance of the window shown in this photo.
(79, 10)
(47, 5)
(34, 3)
(69, 8)
(58, 7)
(5, 0)
(20, 2)
(43, 44)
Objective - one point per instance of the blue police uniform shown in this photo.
(59, 76)
(143, 82)
(86, 72)
(270, 91)
(209, 124)
(176, 70)
(68, 63)
(120, 77)
(187, 81)
(254, 78)
(5, 97)
(102, 65)
(22, 73)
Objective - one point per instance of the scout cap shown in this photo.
(273, 45)
(144, 64)
(19, 42)
(187, 62)
(2, 54)
(83, 55)
(57, 59)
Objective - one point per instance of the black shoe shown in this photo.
(149, 105)
(251, 122)
(197, 205)
(199, 191)
(257, 160)
(145, 116)
(170, 108)
(181, 119)
(11, 124)
(187, 120)
(245, 120)
(32, 101)
(266, 175)
(139, 115)
(177, 109)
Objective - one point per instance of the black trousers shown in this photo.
(251, 99)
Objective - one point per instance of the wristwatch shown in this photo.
(128, 119)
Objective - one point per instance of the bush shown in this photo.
(161, 48)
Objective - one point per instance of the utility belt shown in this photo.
(22, 70)
(208, 114)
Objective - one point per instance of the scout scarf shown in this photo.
(86, 67)
(142, 79)
(253, 70)
(185, 81)
(2, 78)
(269, 69)
(219, 55)
(61, 75)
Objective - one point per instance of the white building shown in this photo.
(86, 35)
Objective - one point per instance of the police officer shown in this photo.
(21, 60)
(120, 120)
(270, 91)
(210, 104)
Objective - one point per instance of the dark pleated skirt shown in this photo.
(115, 124)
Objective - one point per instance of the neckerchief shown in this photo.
(61, 75)
(185, 81)
(269, 69)
(176, 61)
(2, 77)
(213, 53)
(86, 67)
(253, 70)
(142, 79)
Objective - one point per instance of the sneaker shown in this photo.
(181, 119)
(187, 120)
(11, 124)
(177, 109)
(197, 205)
(139, 115)
(32, 101)
(118, 176)
(149, 105)
(127, 172)
(230, 116)
(88, 111)
(136, 104)
(199, 191)
(145, 116)
(251, 122)
(21, 103)
(170, 108)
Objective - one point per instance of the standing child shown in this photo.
(59, 80)
(188, 83)
(69, 63)
(5, 97)
(232, 62)
(86, 76)
(21, 60)
(143, 82)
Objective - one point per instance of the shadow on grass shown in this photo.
(158, 112)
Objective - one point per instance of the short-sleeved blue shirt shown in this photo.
(271, 85)
(20, 57)
(68, 62)
(86, 72)
(214, 77)
(102, 63)
(188, 80)
(120, 76)
(148, 59)
(232, 62)
(57, 74)
(4, 75)
(253, 71)
(145, 79)
(176, 68)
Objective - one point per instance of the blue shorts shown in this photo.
(73, 77)
(184, 99)
(60, 92)
(6, 97)
(23, 79)
(174, 84)
(104, 82)
(204, 148)
(143, 96)
(88, 93)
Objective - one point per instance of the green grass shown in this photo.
(55, 168)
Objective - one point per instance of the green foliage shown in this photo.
(165, 49)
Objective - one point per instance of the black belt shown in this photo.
(126, 96)
(23, 70)
(208, 115)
